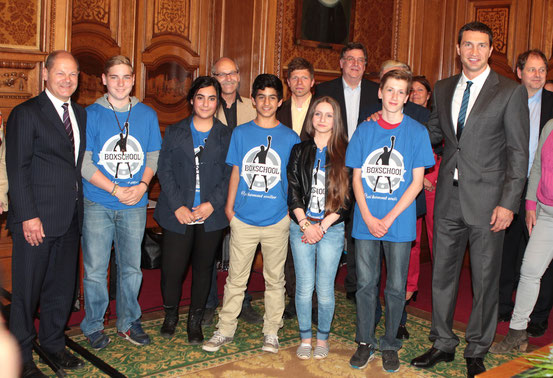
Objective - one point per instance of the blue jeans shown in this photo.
(368, 262)
(101, 228)
(316, 264)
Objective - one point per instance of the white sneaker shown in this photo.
(216, 342)
(270, 343)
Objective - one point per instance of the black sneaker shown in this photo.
(362, 356)
(390, 361)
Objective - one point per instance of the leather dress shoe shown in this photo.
(30, 370)
(66, 360)
(431, 358)
(290, 310)
(475, 366)
(536, 329)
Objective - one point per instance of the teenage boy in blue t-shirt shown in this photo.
(258, 212)
(122, 147)
(388, 158)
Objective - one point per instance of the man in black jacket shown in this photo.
(531, 69)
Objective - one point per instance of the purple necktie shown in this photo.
(67, 124)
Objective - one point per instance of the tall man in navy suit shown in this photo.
(483, 119)
(355, 95)
(44, 150)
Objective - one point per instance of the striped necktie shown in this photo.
(463, 110)
(67, 124)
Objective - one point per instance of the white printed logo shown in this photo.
(383, 169)
(317, 200)
(261, 168)
(121, 156)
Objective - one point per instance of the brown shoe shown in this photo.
(515, 340)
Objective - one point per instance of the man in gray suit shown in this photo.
(483, 119)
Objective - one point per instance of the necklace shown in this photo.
(126, 124)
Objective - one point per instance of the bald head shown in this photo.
(227, 73)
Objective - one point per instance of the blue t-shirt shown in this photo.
(198, 138)
(316, 206)
(262, 156)
(120, 154)
(387, 158)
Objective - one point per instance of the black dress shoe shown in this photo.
(402, 333)
(432, 357)
(249, 315)
(475, 366)
(66, 360)
(505, 317)
(30, 370)
(350, 295)
(536, 329)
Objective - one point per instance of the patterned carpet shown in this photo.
(243, 357)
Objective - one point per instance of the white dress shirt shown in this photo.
(58, 105)
(477, 84)
(352, 97)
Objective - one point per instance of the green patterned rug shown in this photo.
(170, 358)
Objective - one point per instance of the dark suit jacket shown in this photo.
(176, 171)
(44, 180)
(335, 89)
(546, 108)
(492, 154)
(284, 115)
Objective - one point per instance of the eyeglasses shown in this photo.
(225, 74)
(351, 60)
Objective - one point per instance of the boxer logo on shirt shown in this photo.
(197, 156)
(261, 167)
(317, 200)
(383, 169)
(121, 155)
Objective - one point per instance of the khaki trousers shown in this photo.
(243, 244)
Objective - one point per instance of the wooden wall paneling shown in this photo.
(101, 29)
(28, 34)
(167, 55)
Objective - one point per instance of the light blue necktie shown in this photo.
(463, 110)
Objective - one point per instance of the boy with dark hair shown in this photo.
(388, 158)
(258, 212)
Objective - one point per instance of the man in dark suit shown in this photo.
(483, 119)
(531, 69)
(292, 112)
(355, 94)
(44, 151)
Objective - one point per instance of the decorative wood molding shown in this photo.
(278, 42)
(21, 22)
(91, 11)
(171, 17)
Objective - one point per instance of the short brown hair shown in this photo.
(398, 75)
(116, 60)
(523, 58)
(300, 63)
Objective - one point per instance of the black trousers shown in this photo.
(516, 239)
(43, 276)
(196, 247)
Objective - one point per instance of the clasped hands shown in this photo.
(130, 195)
(198, 214)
